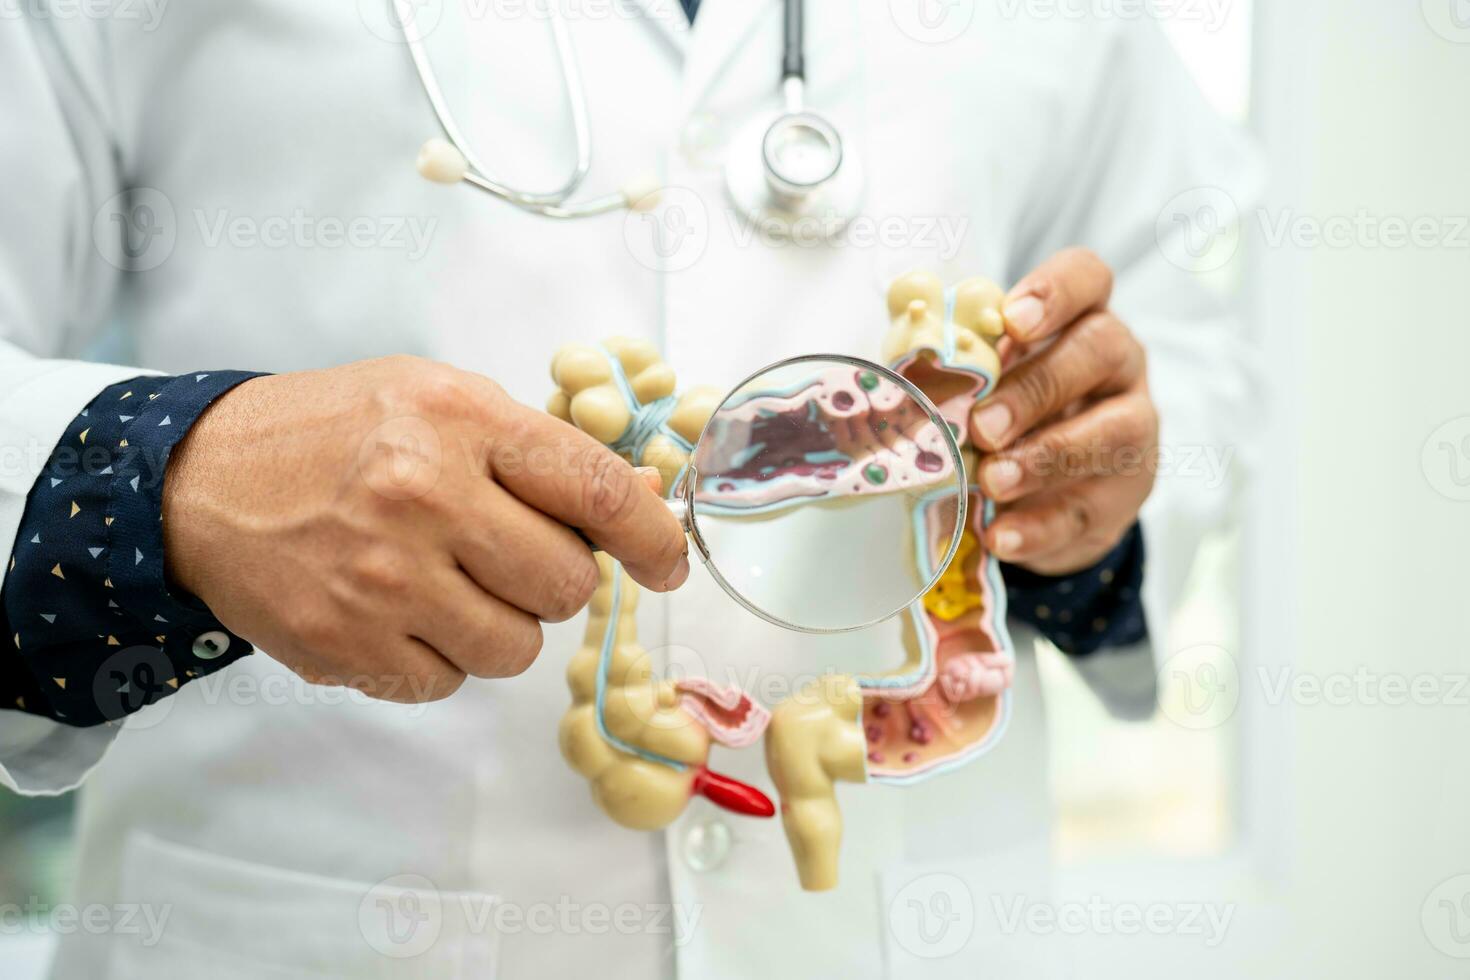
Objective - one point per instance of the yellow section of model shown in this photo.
(588, 397)
(638, 709)
(951, 597)
(815, 739)
(916, 308)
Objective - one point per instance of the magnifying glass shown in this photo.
(826, 494)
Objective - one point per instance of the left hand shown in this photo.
(1069, 439)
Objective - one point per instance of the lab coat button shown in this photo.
(707, 844)
(208, 646)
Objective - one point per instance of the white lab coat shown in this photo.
(259, 812)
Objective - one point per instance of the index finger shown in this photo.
(1096, 356)
(1064, 287)
(566, 474)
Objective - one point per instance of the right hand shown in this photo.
(395, 525)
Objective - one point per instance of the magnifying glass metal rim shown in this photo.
(684, 492)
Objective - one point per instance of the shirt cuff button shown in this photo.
(211, 645)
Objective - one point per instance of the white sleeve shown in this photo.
(58, 165)
(1143, 143)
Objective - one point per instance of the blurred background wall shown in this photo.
(1362, 107)
(1328, 711)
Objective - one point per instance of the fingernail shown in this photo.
(994, 421)
(1025, 314)
(650, 474)
(680, 573)
(1003, 475)
(1008, 542)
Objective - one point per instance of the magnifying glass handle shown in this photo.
(678, 507)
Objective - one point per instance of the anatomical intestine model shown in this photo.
(644, 742)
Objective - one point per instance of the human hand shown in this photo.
(395, 525)
(1069, 434)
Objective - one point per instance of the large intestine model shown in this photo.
(643, 742)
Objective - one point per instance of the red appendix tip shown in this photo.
(732, 794)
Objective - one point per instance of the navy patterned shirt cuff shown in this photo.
(97, 631)
(1087, 611)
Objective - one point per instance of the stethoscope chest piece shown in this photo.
(790, 175)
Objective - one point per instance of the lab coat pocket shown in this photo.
(959, 920)
(201, 914)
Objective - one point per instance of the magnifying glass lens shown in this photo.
(828, 494)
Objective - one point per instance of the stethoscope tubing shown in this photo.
(553, 202)
(457, 161)
(793, 56)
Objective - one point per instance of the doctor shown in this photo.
(231, 185)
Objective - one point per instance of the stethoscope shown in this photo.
(781, 172)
